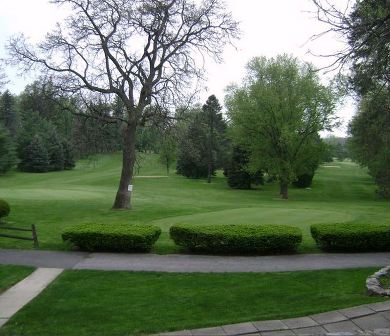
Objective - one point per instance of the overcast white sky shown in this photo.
(269, 27)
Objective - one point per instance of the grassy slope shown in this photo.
(341, 192)
(10, 275)
(120, 303)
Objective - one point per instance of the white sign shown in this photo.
(130, 187)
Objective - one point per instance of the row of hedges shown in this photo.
(242, 239)
(230, 238)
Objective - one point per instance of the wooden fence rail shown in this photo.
(33, 231)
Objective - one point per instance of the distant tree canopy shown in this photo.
(278, 114)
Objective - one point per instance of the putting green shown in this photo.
(260, 215)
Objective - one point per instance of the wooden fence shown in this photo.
(34, 237)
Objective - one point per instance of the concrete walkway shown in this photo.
(24, 291)
(370, 319)
(191, 263)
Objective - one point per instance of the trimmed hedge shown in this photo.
(4, 208)
(112, 237)
(237, 238)
(351, 237)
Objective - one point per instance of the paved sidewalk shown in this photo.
(370, 319)
(16, 297)
(191, 263)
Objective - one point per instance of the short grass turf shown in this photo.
(10, 275)
(92, 303)
(341, 192)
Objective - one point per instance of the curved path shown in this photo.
(191, 263)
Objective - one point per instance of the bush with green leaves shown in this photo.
(112, 237)
(237, 238)
(4, 208)
(346, 237)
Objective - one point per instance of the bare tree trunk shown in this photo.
(123, 195)
(284, 189)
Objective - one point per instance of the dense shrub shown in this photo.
(237, 238)
(4, 208)
(112, 237)
(352, 237)
(304, 180)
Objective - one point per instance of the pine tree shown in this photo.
(7, 151)
(8, 113)
(34, 156)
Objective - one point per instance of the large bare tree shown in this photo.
(142, 51)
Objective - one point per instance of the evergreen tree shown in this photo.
(216, 127)
(69, 162)
(8, 113)
(34, 157)
(54, 149)
(238, 172)
(203, 144)
(7, 151)
(192, 160)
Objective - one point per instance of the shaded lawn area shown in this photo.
(10, 275)
(124, 303)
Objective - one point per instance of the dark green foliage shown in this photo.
(237, 238)
(118, 237)
(352, 237)
(191, 157)
(7, 151)
(203, 145)
(304, 181)
(370, 141)
(8, 113)
(4, 208)
(238, 173)
(369, 22)
(54, 150)
(69, 162)
(33, 155)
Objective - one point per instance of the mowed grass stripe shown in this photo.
(56, 200)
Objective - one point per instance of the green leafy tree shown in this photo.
(7, 151)
(367, 54)
(370, 141)
(277, 114)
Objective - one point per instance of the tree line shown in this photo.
(117, 97)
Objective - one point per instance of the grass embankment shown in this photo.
(342, 192)
(122, 303)
(10, 275)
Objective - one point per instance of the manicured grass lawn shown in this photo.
(342, 192)
(10, 275)
(120, 303)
